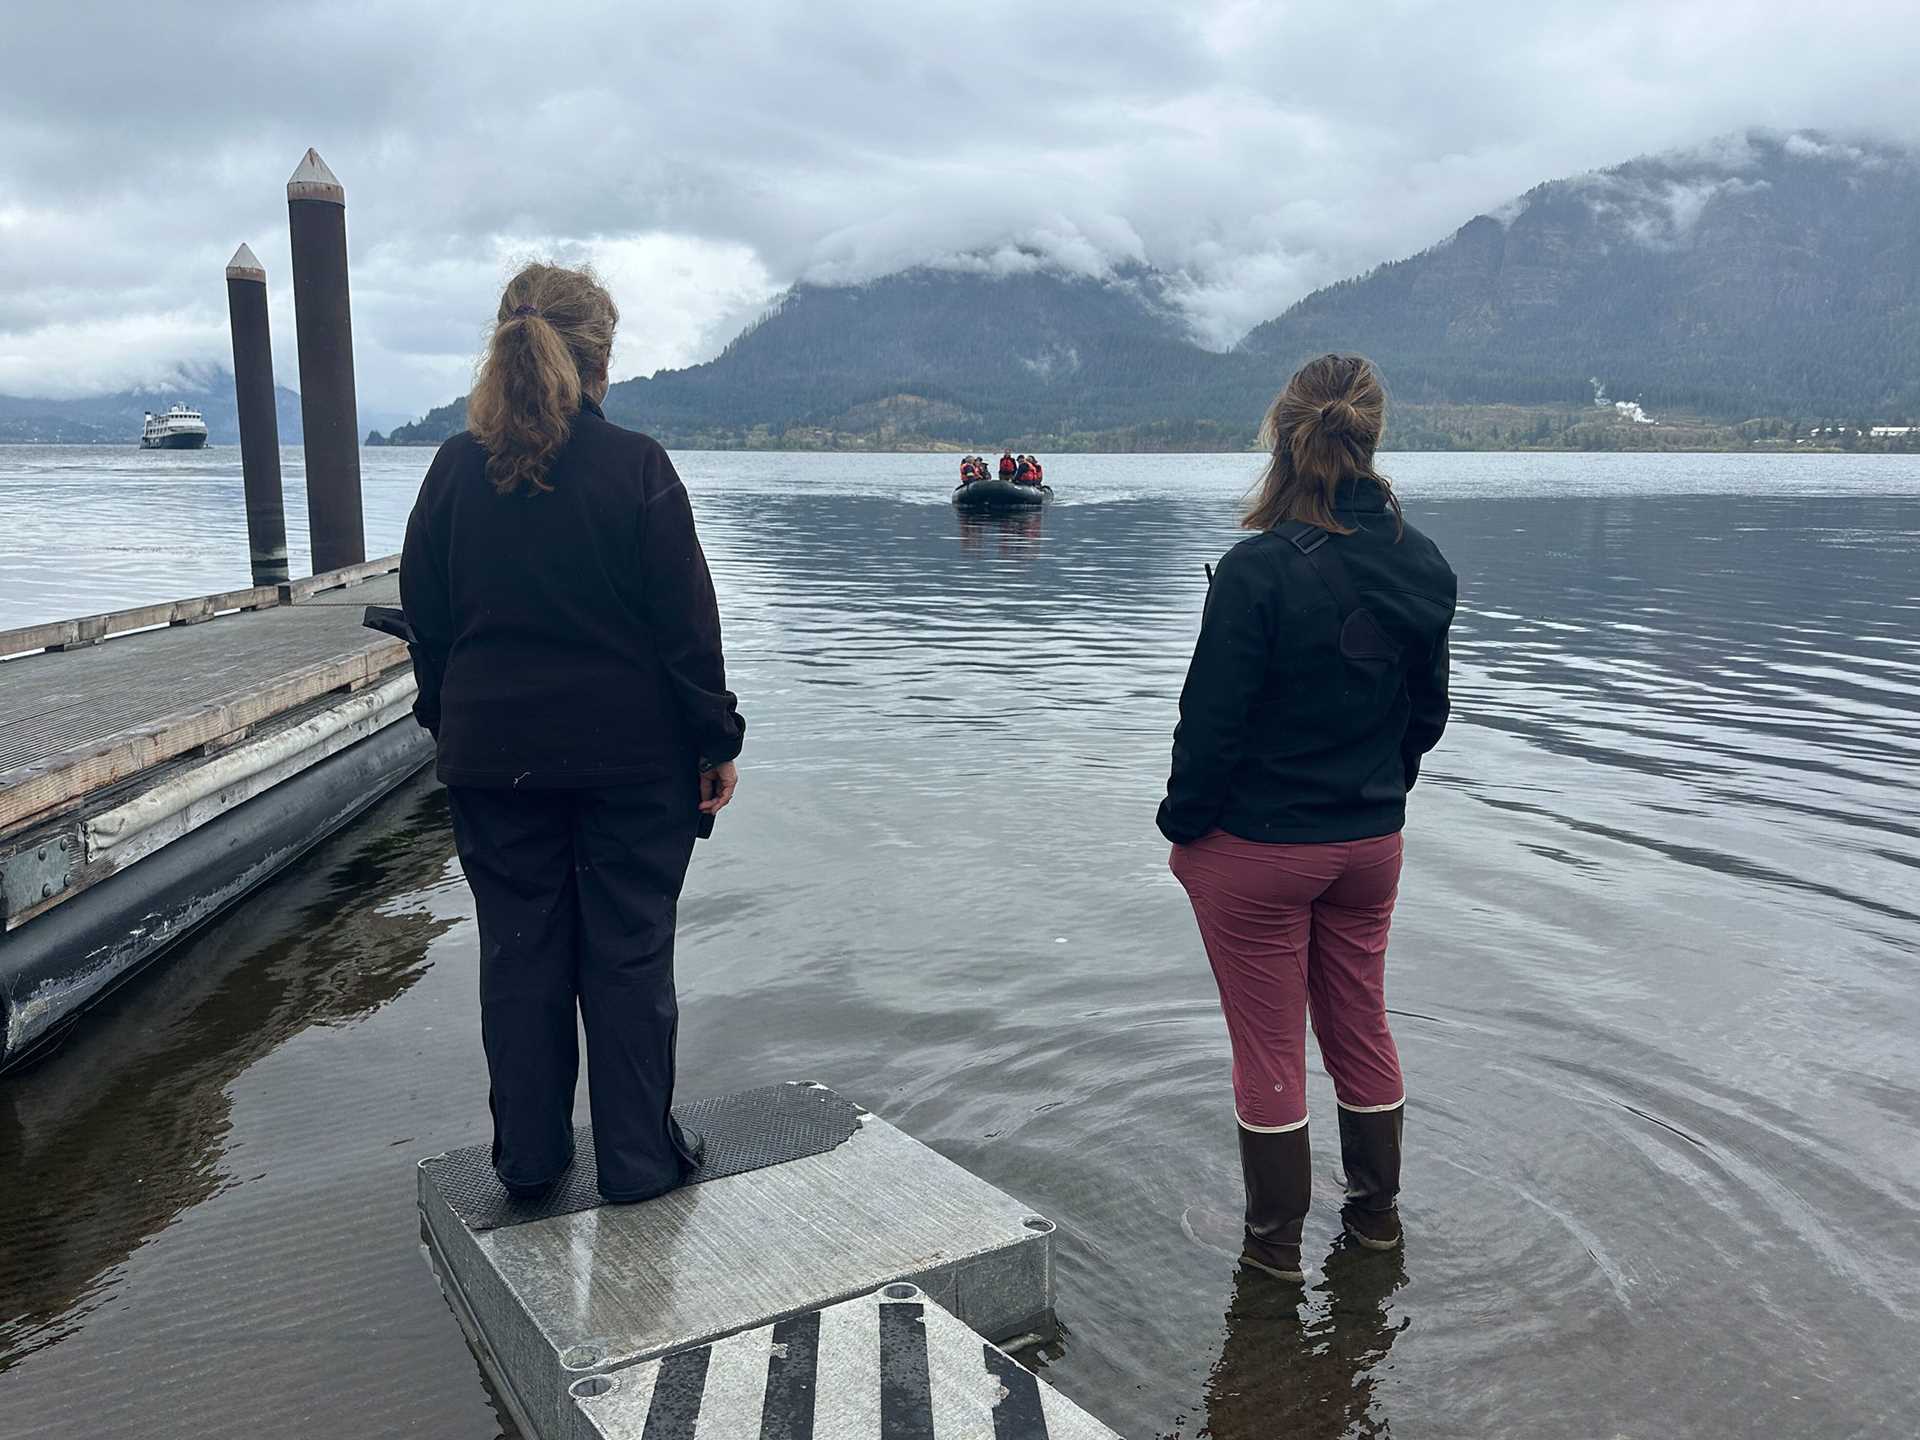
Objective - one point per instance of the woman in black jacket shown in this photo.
(1318, 682)
(570, 670)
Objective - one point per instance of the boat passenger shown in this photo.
(574, 683)
(1007, 465)
(1023, 475)
(1039, 475)
(1318, 682)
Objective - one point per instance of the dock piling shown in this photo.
(259, 421)
(317, 218)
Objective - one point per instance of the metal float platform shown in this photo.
(603, 1291)
(887, 1366)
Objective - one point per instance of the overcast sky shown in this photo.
(706, 155)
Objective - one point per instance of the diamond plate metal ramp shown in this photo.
(551, 1301)
(883, 1367)
(741, 1132)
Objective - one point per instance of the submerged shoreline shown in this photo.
(839, 443)
(1653, 962)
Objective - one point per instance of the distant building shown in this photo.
(1889, 430)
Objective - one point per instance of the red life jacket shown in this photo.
(1006, 467)
(1036, 472)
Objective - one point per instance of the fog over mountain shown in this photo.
(1763, 275)
(116, 419)
(709, 157)
(1760, 275)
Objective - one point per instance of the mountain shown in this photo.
(958, 355)
(1764, 275)
(116, 419)
(954, 355)
(1736, 290)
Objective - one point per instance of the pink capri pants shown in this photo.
(1293, 930)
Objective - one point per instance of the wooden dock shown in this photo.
(146, 733)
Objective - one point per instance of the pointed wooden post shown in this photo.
(317, 216)
(259, 420)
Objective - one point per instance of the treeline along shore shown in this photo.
(1410, 427)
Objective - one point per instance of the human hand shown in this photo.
(717, 786)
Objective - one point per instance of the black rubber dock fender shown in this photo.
(57, 964)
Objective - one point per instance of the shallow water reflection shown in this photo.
(1661, 865)
(1294, 1367)
(1653, 978)
(110, 1144)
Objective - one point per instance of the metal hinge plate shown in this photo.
(37, 872)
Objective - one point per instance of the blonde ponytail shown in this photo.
(1323, 430)
(552, 340)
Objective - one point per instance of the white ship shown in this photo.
(176, 428)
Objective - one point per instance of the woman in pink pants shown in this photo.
(1318, 682)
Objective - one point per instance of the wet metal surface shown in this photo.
(885, 1365)
(744, 1131)
(608, 1288)
(1654, 975)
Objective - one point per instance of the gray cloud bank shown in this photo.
(705, 155)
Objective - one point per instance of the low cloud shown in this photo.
(141, 350)
(1662, 214)
(1812, 147)
(707, 155)
(1659, 201)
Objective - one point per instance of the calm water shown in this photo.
(1654, 972)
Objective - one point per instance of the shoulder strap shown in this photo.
(1311, 541)
(1361, 637)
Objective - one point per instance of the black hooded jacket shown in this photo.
(566, 636)
(1287, 735)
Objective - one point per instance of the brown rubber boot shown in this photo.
(1370, 1152)
(1278, 1169)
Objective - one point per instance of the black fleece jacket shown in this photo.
(1285, 736)
(569, 636)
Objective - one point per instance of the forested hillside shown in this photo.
(1751, 289)
(116, 419)
(942, 355)
(1768, 276)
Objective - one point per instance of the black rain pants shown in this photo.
(576, 892)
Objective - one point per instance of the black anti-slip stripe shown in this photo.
(677, 1394)
(791, 1373)
(1018, 1416)
(906, 1397)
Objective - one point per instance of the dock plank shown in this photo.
(74, 720)
(92, 629)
